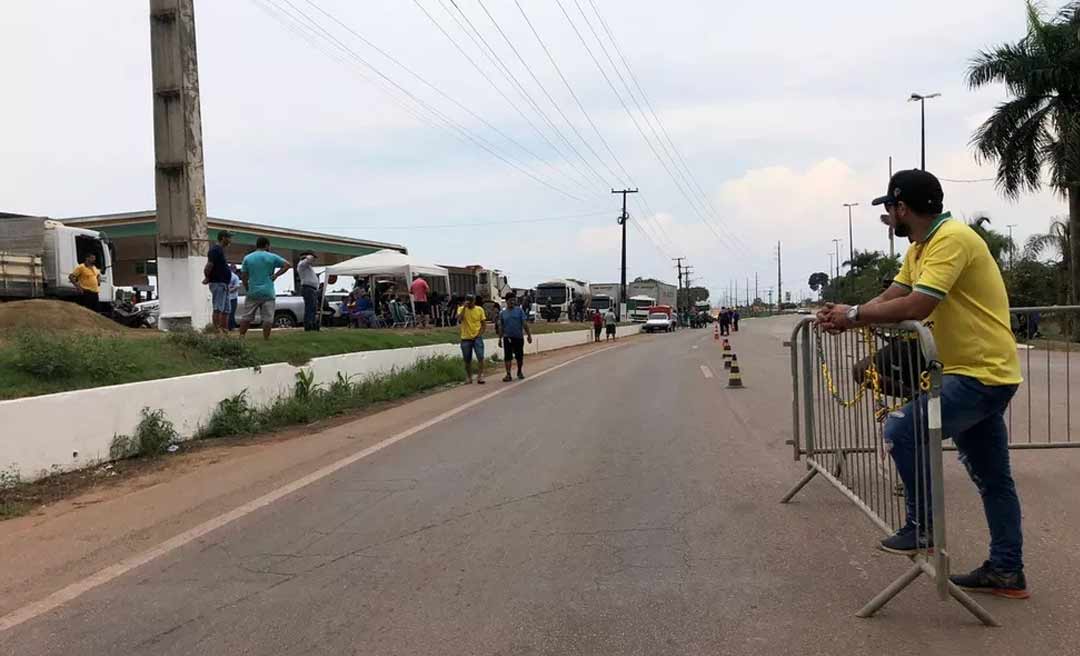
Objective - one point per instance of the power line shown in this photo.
(466, 225)
(499, 63)
(693, 182)
(453, 125)
(498, 89)
(637, 125)
(964, 181)
(437, 90)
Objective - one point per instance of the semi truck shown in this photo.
(37, 254)
(604, 296)
(555, 298)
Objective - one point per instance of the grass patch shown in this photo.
(35, 363)
(310, 402)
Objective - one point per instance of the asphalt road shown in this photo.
(625, 504)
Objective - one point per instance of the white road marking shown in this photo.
(73, 591)
(705, 371)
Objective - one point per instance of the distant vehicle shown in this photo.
(605, 296)
(804, 310)
(490, 286)
(288, 311)
(37, 254)
(663, 293)
(555, 298)
(658, 322)
(637, 307)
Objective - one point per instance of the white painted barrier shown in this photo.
(41, 435)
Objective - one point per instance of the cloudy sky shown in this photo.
(744, 123)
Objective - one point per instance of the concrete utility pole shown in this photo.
(680, 302)
(757, 294)
(892, 237)
(1012, 246)
(622, 221)
(179, 186)
(836, 247)
(779, 276)
(850, 235)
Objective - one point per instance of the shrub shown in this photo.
(53, 356)
(153, 435)
(233, 353)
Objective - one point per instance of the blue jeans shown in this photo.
(472, 346)
(311, 307)
(972, 415)
(232, 313)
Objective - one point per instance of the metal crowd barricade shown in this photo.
(845, 387)
(1041, 415)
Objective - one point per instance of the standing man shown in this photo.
(234, 296)
(260, 269)
(725, 322)
(87, 279)
(419, 290)
(949, 279)
(309, 289)
(472, 320)
(735, 319)
(216, 275)
(597, 324)
(513, 327)
(610, 320)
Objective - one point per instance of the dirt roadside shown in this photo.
(117, 517)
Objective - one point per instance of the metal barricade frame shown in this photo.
(931, 560)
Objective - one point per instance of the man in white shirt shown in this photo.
(309, 289)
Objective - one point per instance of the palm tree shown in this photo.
(1040, 126)
(1056, 238)
(863, 260)
(998, 243)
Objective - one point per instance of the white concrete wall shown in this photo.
(69, 430)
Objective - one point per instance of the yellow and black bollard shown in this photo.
(735, 377)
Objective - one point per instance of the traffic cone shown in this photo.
(716, 331)
(735, 377)
(728, 359)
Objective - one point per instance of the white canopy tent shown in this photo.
(388, 262)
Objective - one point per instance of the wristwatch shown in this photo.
(853, 314)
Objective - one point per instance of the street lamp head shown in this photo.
(915, 97)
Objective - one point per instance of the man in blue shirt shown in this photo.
(216, 275)
(512, 328)
(260, 269)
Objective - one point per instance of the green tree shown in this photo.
(818, 280)
(999, 244)
(1039, 127)
(870, 273)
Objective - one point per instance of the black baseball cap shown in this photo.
(919, 190)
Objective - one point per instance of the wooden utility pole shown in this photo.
(623, 218)
(179, 186)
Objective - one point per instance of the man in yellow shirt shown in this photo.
(950, 280)
(87, 279)
(472, 320)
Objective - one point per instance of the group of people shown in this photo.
(600, 320)
(511, 327)
(257, 274)
(728, 319)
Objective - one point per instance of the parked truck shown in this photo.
(664, 293)
(637, 307)
(490, 286)
(605, 296)
(37, 254)
(556, 299)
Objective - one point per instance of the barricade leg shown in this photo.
(800, 485)
(883, 597)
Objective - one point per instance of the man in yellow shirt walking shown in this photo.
(950, 280)
(472, 320)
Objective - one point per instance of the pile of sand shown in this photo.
(50, 315)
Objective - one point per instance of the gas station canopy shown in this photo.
(134, 235)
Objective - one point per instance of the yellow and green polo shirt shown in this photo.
(971, 323)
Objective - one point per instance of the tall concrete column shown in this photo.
(179, 185)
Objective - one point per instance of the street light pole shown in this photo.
(921, 99)
(851, 236)
(836, 246)
(1012, 245)
(623, 218)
